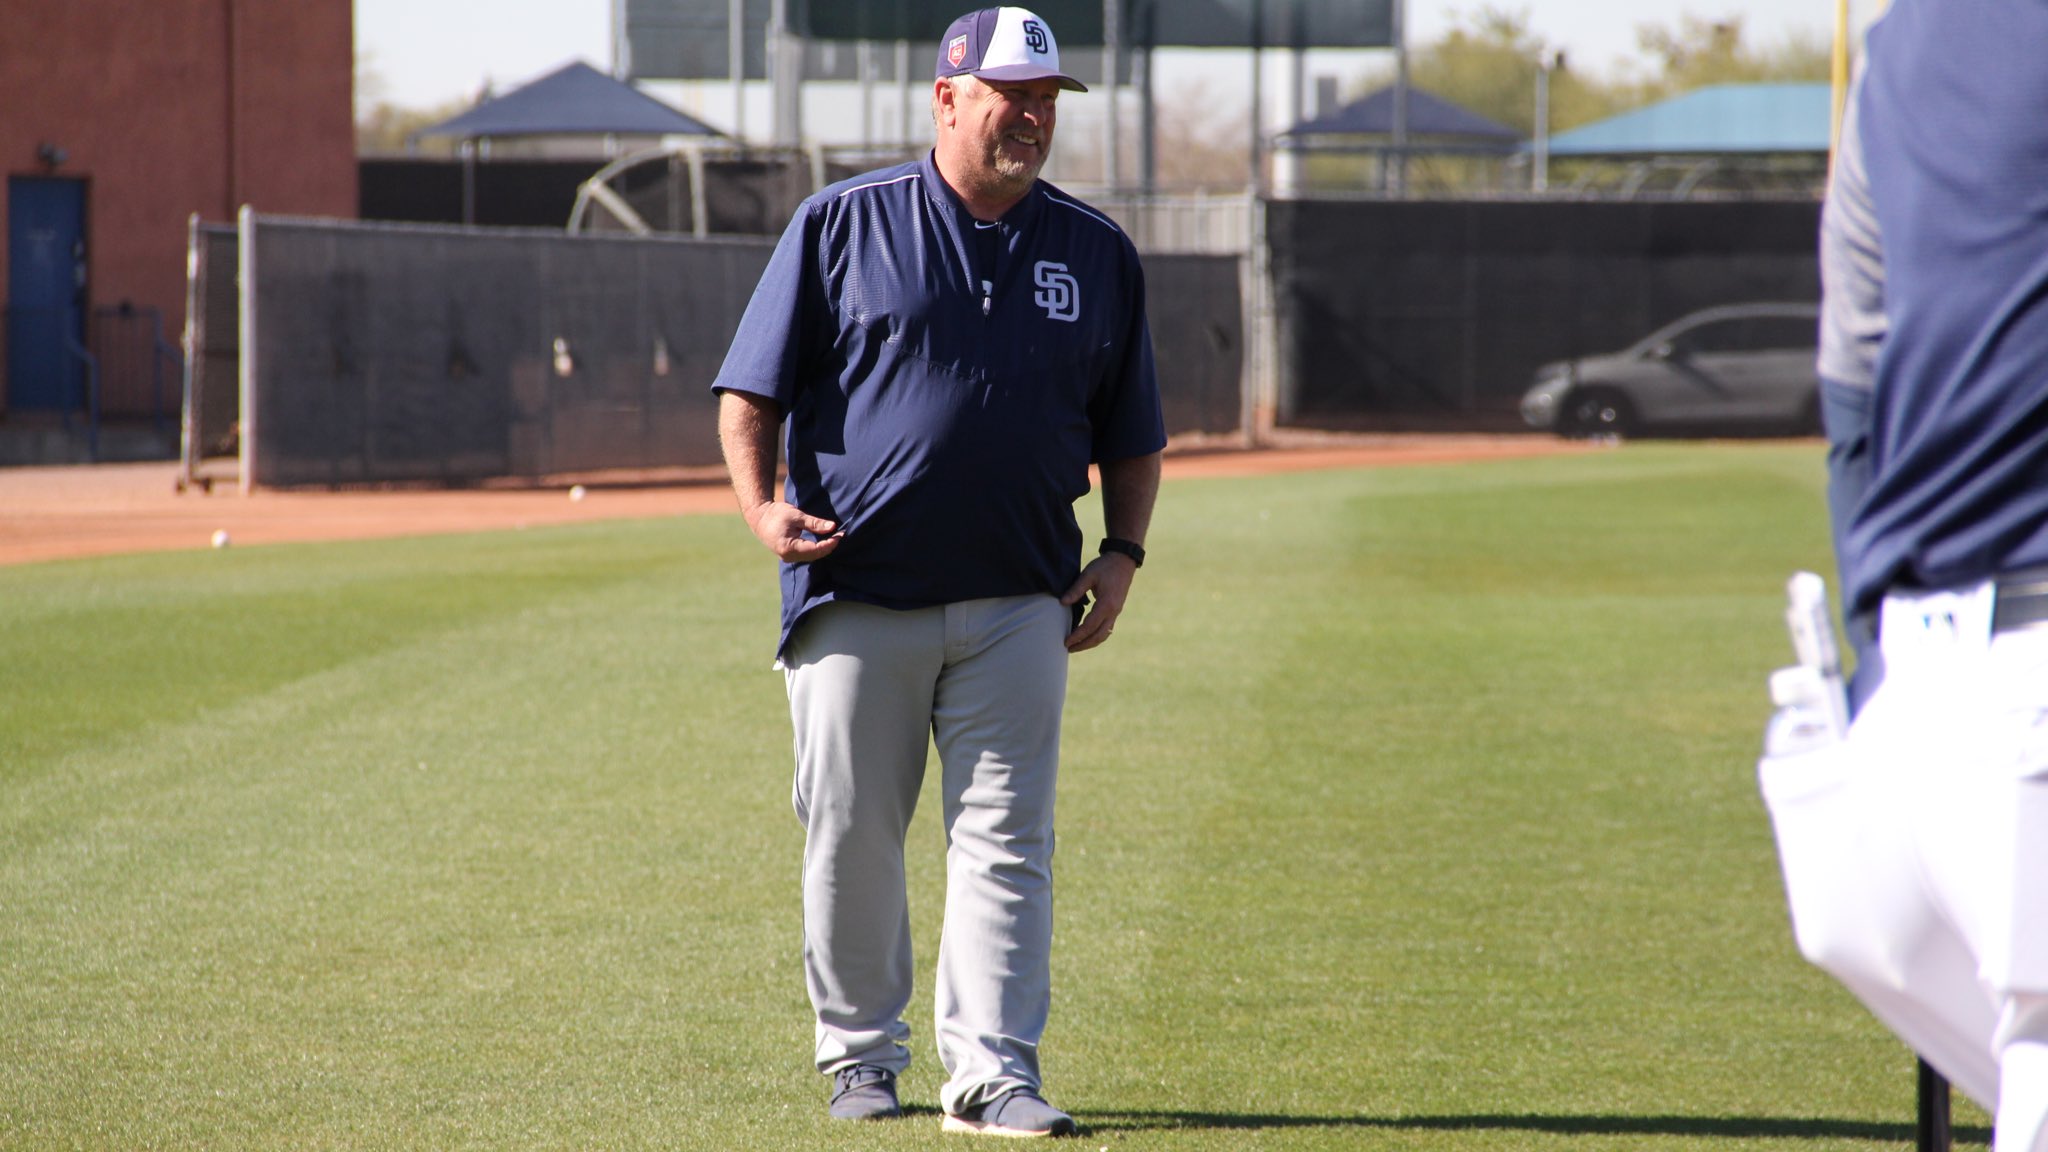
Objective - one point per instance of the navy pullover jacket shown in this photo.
(946, 384)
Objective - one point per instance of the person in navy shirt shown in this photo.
(950, 343)
(1916, 850)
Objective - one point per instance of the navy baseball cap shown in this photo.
(1003, 44)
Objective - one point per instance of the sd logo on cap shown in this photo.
(1003, 44)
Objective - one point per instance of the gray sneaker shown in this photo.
(864, 1092)
(1018, 1112)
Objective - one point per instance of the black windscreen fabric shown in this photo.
(1435, 314)
(1195, 307)
(404, 355)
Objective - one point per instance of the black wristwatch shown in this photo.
(1131, 548)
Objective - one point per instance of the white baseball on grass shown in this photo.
(220, 538)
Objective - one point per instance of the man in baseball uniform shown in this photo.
(951, 343)
(1916, 850)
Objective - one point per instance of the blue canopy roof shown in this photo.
(575, 100)
(1723, 119)
(1427, 116)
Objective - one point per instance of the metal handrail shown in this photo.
(72, 407)
(91, 398)
(134, 355)
(166, 352)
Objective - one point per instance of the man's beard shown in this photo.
(1013, 174)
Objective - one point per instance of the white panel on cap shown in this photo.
(1008, 45)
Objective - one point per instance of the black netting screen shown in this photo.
(388, 354)
(498, 193)
(1195, 307)
(453, 355)
(1435, 314)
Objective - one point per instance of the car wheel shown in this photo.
(1596, 412)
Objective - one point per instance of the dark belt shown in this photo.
(2021, 601)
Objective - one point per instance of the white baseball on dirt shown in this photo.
(576, 493)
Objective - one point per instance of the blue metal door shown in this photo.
(45, 292)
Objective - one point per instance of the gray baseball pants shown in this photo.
(870, 689)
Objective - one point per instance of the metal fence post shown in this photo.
(1934, 1111)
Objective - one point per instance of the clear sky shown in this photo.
(430, 52)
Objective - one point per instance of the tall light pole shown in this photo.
(1539, 172)
(1112, 50)
(736, 64)
(1258, 39)
(785, 70)
(622, 49)
(1399, 16)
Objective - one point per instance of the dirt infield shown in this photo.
(53, 513)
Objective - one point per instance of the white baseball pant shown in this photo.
(1915, 852)
(870, 689)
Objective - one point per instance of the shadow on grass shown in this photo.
(1727, 1127)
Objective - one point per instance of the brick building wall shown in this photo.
(164, 108)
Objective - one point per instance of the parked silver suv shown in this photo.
(1742, 369)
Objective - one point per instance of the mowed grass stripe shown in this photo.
(449, 845)
(1410, 809)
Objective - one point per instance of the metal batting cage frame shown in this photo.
(209, 426)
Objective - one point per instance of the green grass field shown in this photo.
(1410, 809)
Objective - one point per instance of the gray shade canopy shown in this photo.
(574, 100)
(1428, 116)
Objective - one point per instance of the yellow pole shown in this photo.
(1839, 75)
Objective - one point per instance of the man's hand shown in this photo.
(1129, 486)
(782, 526)
(1109, 577)
(746, 433)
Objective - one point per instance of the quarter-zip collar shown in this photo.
(947, 201)
(970, 235)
